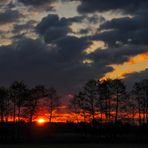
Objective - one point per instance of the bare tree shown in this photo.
(79, 105)
(144, 96)
(3, 98)
(118, 92)
(131, 108)
(35, 94)
(105, 98)
(90, 96)
(52, 101)
(18, 94)
(136, 96)
(140, 94)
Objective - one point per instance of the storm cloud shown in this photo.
(126, 6)
(9, 16)
(123, 29)
(34, 62)
(47, 47)
(130, 79)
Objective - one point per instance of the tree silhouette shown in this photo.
(79, 105)
(19, 95)
(105, 98)
(35, 94)
(52, 101)
(3, 99)
(140, 95)
(88, 97)
(136, 95)
(118, 92)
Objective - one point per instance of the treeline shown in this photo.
(108, 101)
(103, 101)
(108, 111)
(21, 103)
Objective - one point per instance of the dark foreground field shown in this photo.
(69, 133)
(77, 146)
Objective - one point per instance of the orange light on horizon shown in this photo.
(41, 121)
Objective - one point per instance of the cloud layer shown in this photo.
(48, 47)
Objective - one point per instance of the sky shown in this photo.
(65, 43)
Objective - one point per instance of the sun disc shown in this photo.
(41, 121)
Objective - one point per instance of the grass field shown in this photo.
(77, 146)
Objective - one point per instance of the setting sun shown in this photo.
(41, 120)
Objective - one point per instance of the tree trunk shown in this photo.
(139, 112)
(51, 110)
(30, 119)
(19, 113)
(92, 111)
(7, 108)
(2, 113)
(50, 118)
(109, 109)
(117, 108)
(84, 117)
(147, 113)
(106, 111)
(14, 111)
(146, 107)
(133, 115)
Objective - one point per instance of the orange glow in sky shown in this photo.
(41, 121)
(95, 46)
(134, 64)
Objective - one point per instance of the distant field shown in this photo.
(77, 146)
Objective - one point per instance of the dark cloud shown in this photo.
(57, 59)
(52, 27)
(124, 23)
(95, 19)
(84, 31)
(60, 65)
(9, 16)
(47, 22)
(116, 55)
(90, 6)
(39, 5)
(36, 2)
(53, 21)
(24, 27)
(122, 29)
(130, 79)
(34, 62)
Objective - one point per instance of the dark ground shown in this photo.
(65, 134)
(77, 146)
